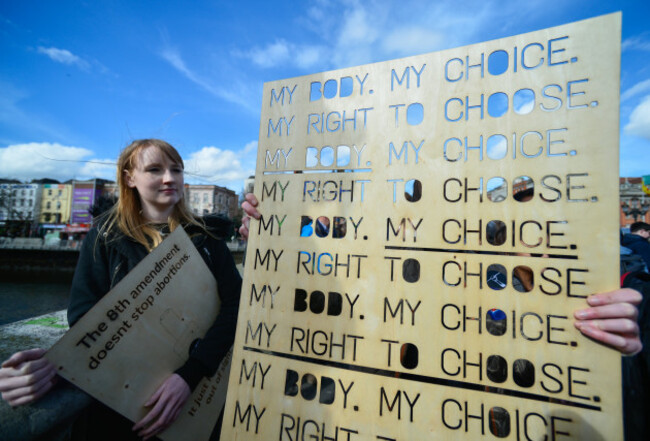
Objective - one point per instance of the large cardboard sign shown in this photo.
(430, 224)
(123, 349)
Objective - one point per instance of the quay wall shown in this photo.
(23, 262)
(49, 418)
(55, 262)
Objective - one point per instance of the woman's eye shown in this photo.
(153, 169)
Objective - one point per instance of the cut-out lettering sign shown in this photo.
(429, 226)
(140, 332)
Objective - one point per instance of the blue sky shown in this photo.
(81, 79)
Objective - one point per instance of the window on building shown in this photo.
(49, 192)
(58, 205)
(60, 192)
(48, 205)
(205, 198)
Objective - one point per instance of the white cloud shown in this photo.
(639, 124)
(281, 53)
(497, 147)
(411, 40)
(99, 168)
(637, 89)
(64, 56)
(250, 148)
(523, 101)
(232, 94)
(639, 42)
(213, 164)
(345, 34)
(308, 56)
(358, 26)
(51, 160)
(351, 32)
(274, 54)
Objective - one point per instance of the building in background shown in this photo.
(56, 201)
(20, 207)
(211, 199)
(226, 202)
(22, 201)
(497, 189)
(111, 191)
(249, 184)
(84, 196)
(635, 203)
(47, 205)
(6, 199)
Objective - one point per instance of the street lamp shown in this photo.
(635, 208)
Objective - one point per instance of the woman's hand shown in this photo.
(167, 404)
(611, 319)
(26, 376)
(250, 208)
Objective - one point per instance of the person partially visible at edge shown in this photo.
(610, 317)
(151, 205)
(637, 241)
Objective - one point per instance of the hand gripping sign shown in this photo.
(141, 331)
(429, 226)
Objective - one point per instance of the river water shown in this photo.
(21, 300)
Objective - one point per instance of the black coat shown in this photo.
(636, 369)
(105, 260)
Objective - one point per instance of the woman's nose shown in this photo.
(168, 176)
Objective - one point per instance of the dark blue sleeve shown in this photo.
(642, 248)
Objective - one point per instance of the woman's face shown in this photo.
(159, 182)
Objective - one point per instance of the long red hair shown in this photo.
(126, 214)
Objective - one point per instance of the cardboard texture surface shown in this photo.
(122, 350)
(439, 302)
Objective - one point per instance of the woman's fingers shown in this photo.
(617, 325)
(251, 199)
(611, 319)
(250, 205)
(622, 295)
(250, 209)
(628, 344)
(25, 374)
(606, 311)
(31, 392)
(167, 402)
(23, 356)
(243, 229)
